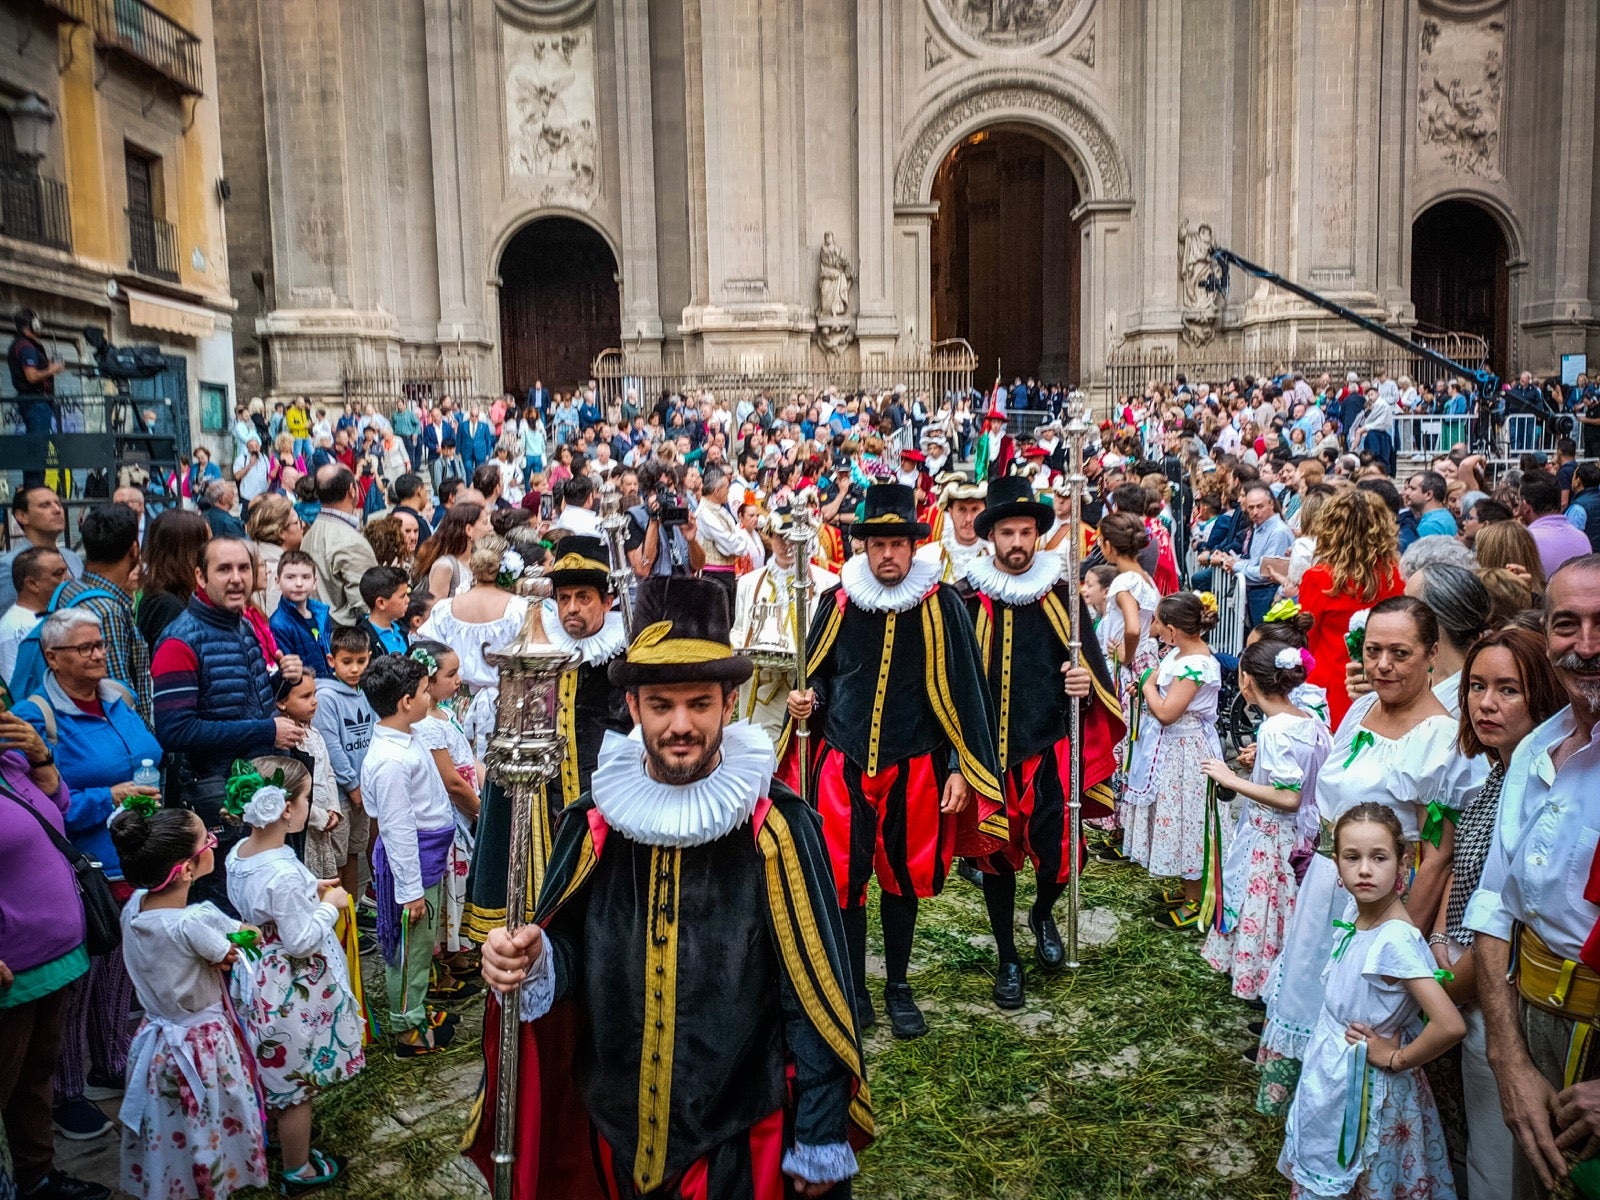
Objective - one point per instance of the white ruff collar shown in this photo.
(866, 592)
(692, 814)
(597, 648)
(1033, 584)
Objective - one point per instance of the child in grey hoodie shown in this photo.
(345, 721)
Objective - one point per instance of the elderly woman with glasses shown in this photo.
(89, 723)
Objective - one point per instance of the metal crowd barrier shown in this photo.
(1422, 437)
(1228, 636)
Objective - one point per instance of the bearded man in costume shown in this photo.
(953, 540)
(580, 616)
(906, 765)
(763, 621)
(683, 989)
(1024, 617)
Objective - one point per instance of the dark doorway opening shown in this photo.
(1460, 278)
(1006, 256)
(559, 304)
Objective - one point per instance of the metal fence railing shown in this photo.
(144, 33)
(1228, 636)
(1420, 437)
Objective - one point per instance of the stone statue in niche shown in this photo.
(1199, 303)
(1461, 79)
(550, 113)
(1011, 22)
(834, 279)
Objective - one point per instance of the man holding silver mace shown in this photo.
(686, 1027)
(1029, 624)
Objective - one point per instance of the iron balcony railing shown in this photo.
(33, 207)
(152, 245)
(143, 33)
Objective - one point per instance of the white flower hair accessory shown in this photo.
(511, 568)
(266, 806)
(1286, 659)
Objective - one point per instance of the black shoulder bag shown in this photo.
(102, 920)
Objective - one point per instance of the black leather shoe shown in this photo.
(1048, 951)
(905, 1018)
(969, 871)
(60, 1186)
(866, 1015)
(1008, 992)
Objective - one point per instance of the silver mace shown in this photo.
(800, 535)
(614, 525)
(1077, 485)
(524, 754)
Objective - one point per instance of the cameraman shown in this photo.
(655, 548)
(33, 375)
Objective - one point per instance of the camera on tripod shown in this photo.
(124, 363)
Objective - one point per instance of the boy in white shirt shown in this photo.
(402, 791)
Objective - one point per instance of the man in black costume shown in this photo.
(579, 617)
(1023, 614)
(908, 739)
(685, 969)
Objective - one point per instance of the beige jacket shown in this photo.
(342, 556)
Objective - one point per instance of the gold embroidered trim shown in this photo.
(1006, 631)
(660, 1017)
(567, 718)
(875, 733)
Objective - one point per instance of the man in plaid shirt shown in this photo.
(110, 535)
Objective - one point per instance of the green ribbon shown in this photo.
(1438, 813)
(246, 941)
(1343, 943)
(1363, 739)
(145, 806)
(1444, 976)
(1193, 674)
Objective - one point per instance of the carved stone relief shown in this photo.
(835, 330)
(1109, 174)
(1199, 303)
(932, 52)
(1083, 49)
(1010, 22)
(552, 133)
(1461, 83)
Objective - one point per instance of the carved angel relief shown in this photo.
(551, 129)
(1461, 76)
(1011, 22)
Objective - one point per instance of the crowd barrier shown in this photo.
(1228, 636)
(1425, 436)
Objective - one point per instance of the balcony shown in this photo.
(152, 245)
(142, 33)
(33, 207)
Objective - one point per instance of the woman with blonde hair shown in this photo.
(1509, 594)
(1507, 545)
(275, 527)
(1358, 548)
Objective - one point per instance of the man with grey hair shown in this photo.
(1432, 550)
(217, 503)
(1539, 889)
(718, 533)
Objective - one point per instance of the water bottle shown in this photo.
(148, 775)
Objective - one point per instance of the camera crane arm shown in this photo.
(1487, 383)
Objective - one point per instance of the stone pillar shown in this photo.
(1162, 68)
(458, 231)
(876, 324)
(641, 296)
(913, 273)
(1107, 243)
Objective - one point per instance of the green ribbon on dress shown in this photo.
(1443, 976)
(247, 942)
(1343, 943)
(1363, 739)
(1192, 674)
(1438, 813)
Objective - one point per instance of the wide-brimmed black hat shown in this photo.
(1013, 496)
(891, 511)
(680, 635)
(581, 561)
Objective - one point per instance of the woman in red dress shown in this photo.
(1358, 564)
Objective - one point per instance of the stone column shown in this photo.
(641, 295)
(913, 273)
(1162, 68)
(458, 227)
(1107, 242)
(876, 324)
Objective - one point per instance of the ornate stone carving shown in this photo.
(551, 131)
(545, 12)
(1110, 180)
(1083, 49)
(1461, 82)
(932, 52)
(1200, 304)
(835, 330)
(1011, 22)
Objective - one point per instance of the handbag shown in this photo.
(102, 920)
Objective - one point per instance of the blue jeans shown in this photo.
(1257, 599)
(38, 416)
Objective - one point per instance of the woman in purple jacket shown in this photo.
(41, 952)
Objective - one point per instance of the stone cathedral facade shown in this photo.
(516, 184)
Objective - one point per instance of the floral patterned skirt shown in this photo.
(1165, 822)
(303, 1019)
(454, 893)
(1258, 893)
(193, 1143)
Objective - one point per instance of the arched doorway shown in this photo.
(559, 304)
(1460, 277)
(1006, 256)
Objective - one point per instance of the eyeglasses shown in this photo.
(209, 844)
(87, 650)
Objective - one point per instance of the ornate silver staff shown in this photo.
(800, 535)
(1077, 485)
(523, 756)
(614, 524)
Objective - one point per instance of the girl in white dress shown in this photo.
(1364, 1122)
(1129, 646)
(1170, 800)
(481, 619)
(441, 735)
(1396, 746)
(191, 1115)
(304, 1021)
(1258, 879)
